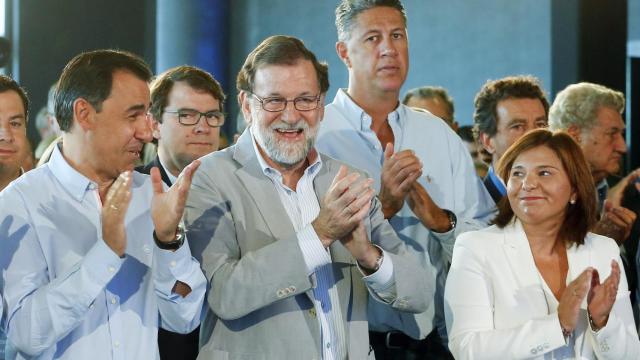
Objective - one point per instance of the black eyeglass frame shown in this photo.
(214, 115)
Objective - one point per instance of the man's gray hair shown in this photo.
(431, 92)
(348, 10)
(578, 105)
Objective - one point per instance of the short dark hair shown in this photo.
(581, 216)
(348, 10)
(485, 116)
(89, 76)
(279, 50)
(196, 78)
(8, 84)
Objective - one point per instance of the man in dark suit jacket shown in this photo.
(186, 114)
(506, 109)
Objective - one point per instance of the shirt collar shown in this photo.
(358, 118)
(74, 182)
(497, 181)
(172, 178)
(315, 162)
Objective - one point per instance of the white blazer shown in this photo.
(495, 305)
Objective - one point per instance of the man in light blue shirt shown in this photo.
(14, 113)
(95, 259)
(423, 173)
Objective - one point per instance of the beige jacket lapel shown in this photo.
(260, 188)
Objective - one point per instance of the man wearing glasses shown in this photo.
(293, 241)
(186, 116)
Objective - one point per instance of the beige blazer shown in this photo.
(259, 289)
(495, 306)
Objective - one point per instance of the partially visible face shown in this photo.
(603, 145)
(515, 117)
(376, 52)
(434, 105)
(287, 136)
(179, 145)
(539, 189)
(13, 133)
(119, 131)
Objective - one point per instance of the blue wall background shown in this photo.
(457, 44)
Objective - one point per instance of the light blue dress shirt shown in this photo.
(448, 176)
(68, 295)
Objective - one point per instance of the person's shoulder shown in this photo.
(333, 164)
(481, 240)
(601, 244)
(422, 118)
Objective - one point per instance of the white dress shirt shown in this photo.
(303, 207)
(68, 295)
(448, 176)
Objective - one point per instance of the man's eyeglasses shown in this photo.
(276, 104)
(190, 117)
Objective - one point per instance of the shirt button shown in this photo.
(172, 264)
(116, 344)
(113, 300)
(328, 345)
(111, 269)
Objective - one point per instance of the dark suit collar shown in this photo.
(494, 186)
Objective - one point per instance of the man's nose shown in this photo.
(5, 132)
(202, 127)
(143, 129)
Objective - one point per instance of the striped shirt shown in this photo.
(303, 207)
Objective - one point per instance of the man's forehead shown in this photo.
(278, 78)
(609, 118)
(377, 19)
(10, 100)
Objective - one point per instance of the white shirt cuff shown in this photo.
(382, 279)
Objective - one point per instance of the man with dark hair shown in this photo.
(186, 116)
(423, 174)
(292, 240)
(466, 134)
(506, 109)
(94, 258)
(434, 99)
(14, 111)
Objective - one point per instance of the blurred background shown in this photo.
(456, 44)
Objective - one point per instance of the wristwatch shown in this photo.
(174, 244)
(453, 220)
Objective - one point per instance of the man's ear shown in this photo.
(83, 113)
(245, 106)
(343, 53)
(487, 143)
(575, 133)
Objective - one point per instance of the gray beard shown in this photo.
(283, 154)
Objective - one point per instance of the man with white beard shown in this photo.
(292, 241)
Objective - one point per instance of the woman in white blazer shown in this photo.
(537, 284)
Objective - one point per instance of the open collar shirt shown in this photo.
(448, 176)
(303, 207)
(68, 295)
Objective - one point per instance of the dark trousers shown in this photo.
(174, 346)
(395, 345)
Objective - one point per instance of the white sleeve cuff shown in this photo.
(382, 279)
